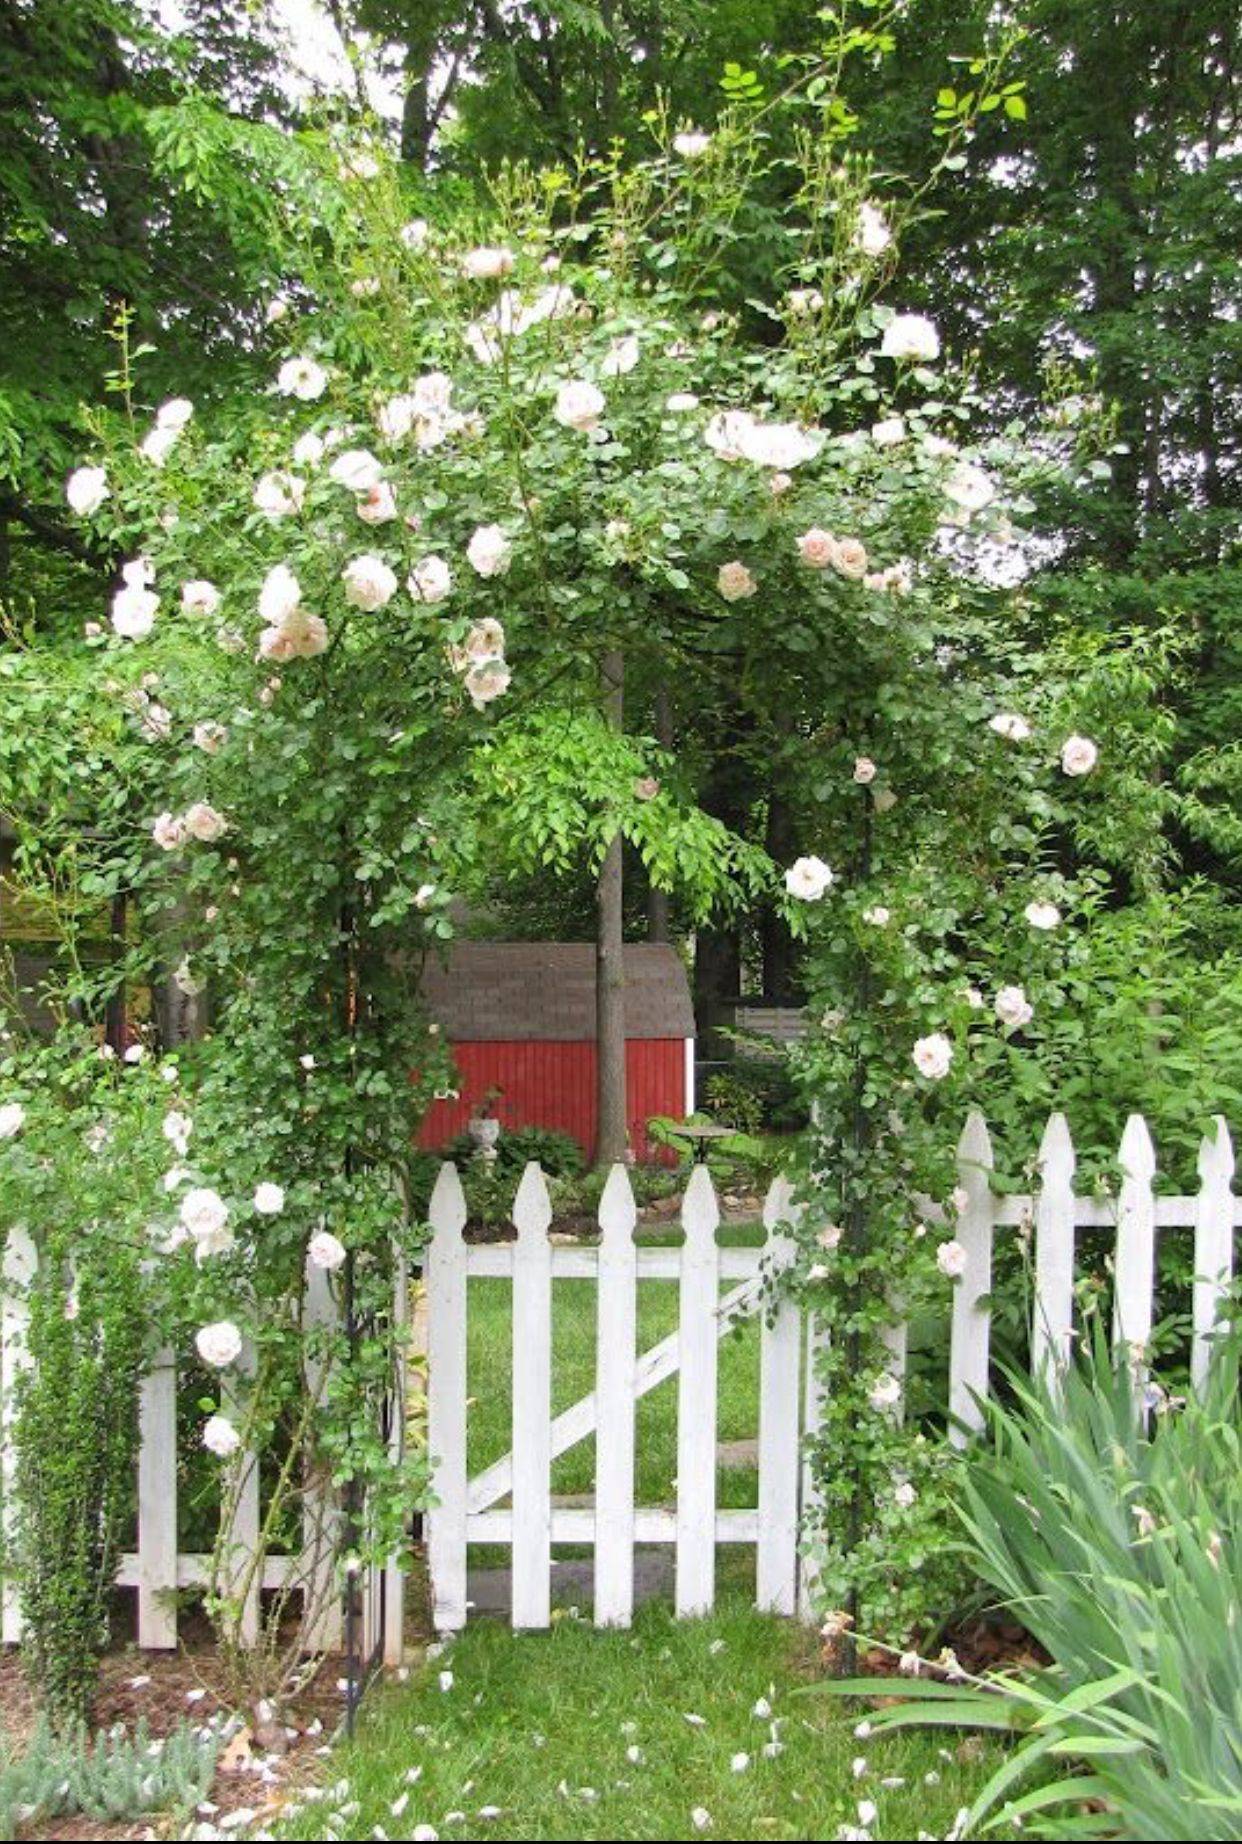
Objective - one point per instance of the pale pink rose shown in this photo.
(326, 1251)
(486, 263)
(885, 1392)
(877, 916)
(369, 583)
(951, 1260)
(1013, 1008)
(199, 598)
(850, 559)
(489, 551)
(280, 595)
(579, 405)
(430, 580)
(269, 1199)
(1008, 724)
(133, 611)
(817, 548)
(1079, 755)
(210, 737)
(395, 418)
(485, 641)
(779, 483)
(933, 1056)
(309, 449)
(621, 358)
(865, 771)
(488, 680)
(219, 1344)
(378, 505)
(220, 1437)
(168, 832)
(202, 822)
(357, 469)
(414, 234)
(279, 495)
(735, 582)
(303, 379)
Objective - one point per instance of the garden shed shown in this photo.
(520, 1016)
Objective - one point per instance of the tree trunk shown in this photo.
(776, 942)
(657, 899)
(610, 1111)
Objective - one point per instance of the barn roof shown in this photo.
(532, 991)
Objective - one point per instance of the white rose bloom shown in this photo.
(174, 414)
(269, 1199)
(877, 916)
(309, 449)
(1012, 1008)
(279, 495)
(727, 432)
(487, 263)
(202, 822)
(430, 580)
(276, 310)
(204, 1217)
(951, 1260)
(365, 288)
(1008, 724)
(873, 236)
(865, 771)
(395, 418)
(325, 1251)
(804, 301)
(482, 341)
(780, 445)
(199, 597)
(889, 432)
(933, 1056)
(489, 551)
(168, 831)
(681, 401)
(414, 234)
(910, 336)
(486, 640)
(303, 379)
(158, 443)
(1079, 755)
(86, 491)
(357, 469)
(579, 405)
(969, 487)
(369, 583)
(691, 144)
(220, 1437)
(210, 736)
(1043, 915)
(219, 1344)
(885, 1392)
(904, 1497)
(622, 357)
(487, 680)
(378, 506)
(12, 1119)
(735, 582)
(809, 879)
(133, 611)
(280, 596)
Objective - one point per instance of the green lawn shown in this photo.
(530, 1737)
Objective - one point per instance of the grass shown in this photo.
(530, 1737)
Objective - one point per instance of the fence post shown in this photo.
(698, 1300)
(1135, 1278)
(394, 1574)
(616, 1332)
(1052, 1325)
(780, 1353)
(812, 1421)
(532, 1403)
(446, 1400)
(157, 1504)
(972, 1322)
(241, 1538)
(321, 1515)
(20, 1262)
(1213, 1244)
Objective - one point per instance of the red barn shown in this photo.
(520, 1016)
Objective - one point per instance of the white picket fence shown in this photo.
(511, 1502)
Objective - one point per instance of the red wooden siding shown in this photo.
(553, 1085)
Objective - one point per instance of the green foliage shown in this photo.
(559, 1154)
(114, 1779)
(1115, 1537)
(77, 1179)
(734, 1102)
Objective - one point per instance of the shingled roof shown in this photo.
(544, 991)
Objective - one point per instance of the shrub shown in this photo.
(558, 1153)
(1117, 1545)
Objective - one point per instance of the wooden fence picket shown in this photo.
(1134, 1279)
(240, 1537)
(20, 1262)
(780, 1356)
(972, 1319)
(157, 1504)
(532, 1402)
(1052, 1321)
(696, 1399)
(1214, 1235)
(446, 1400)
(615, 1352)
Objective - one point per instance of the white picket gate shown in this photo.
(474, 1511)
